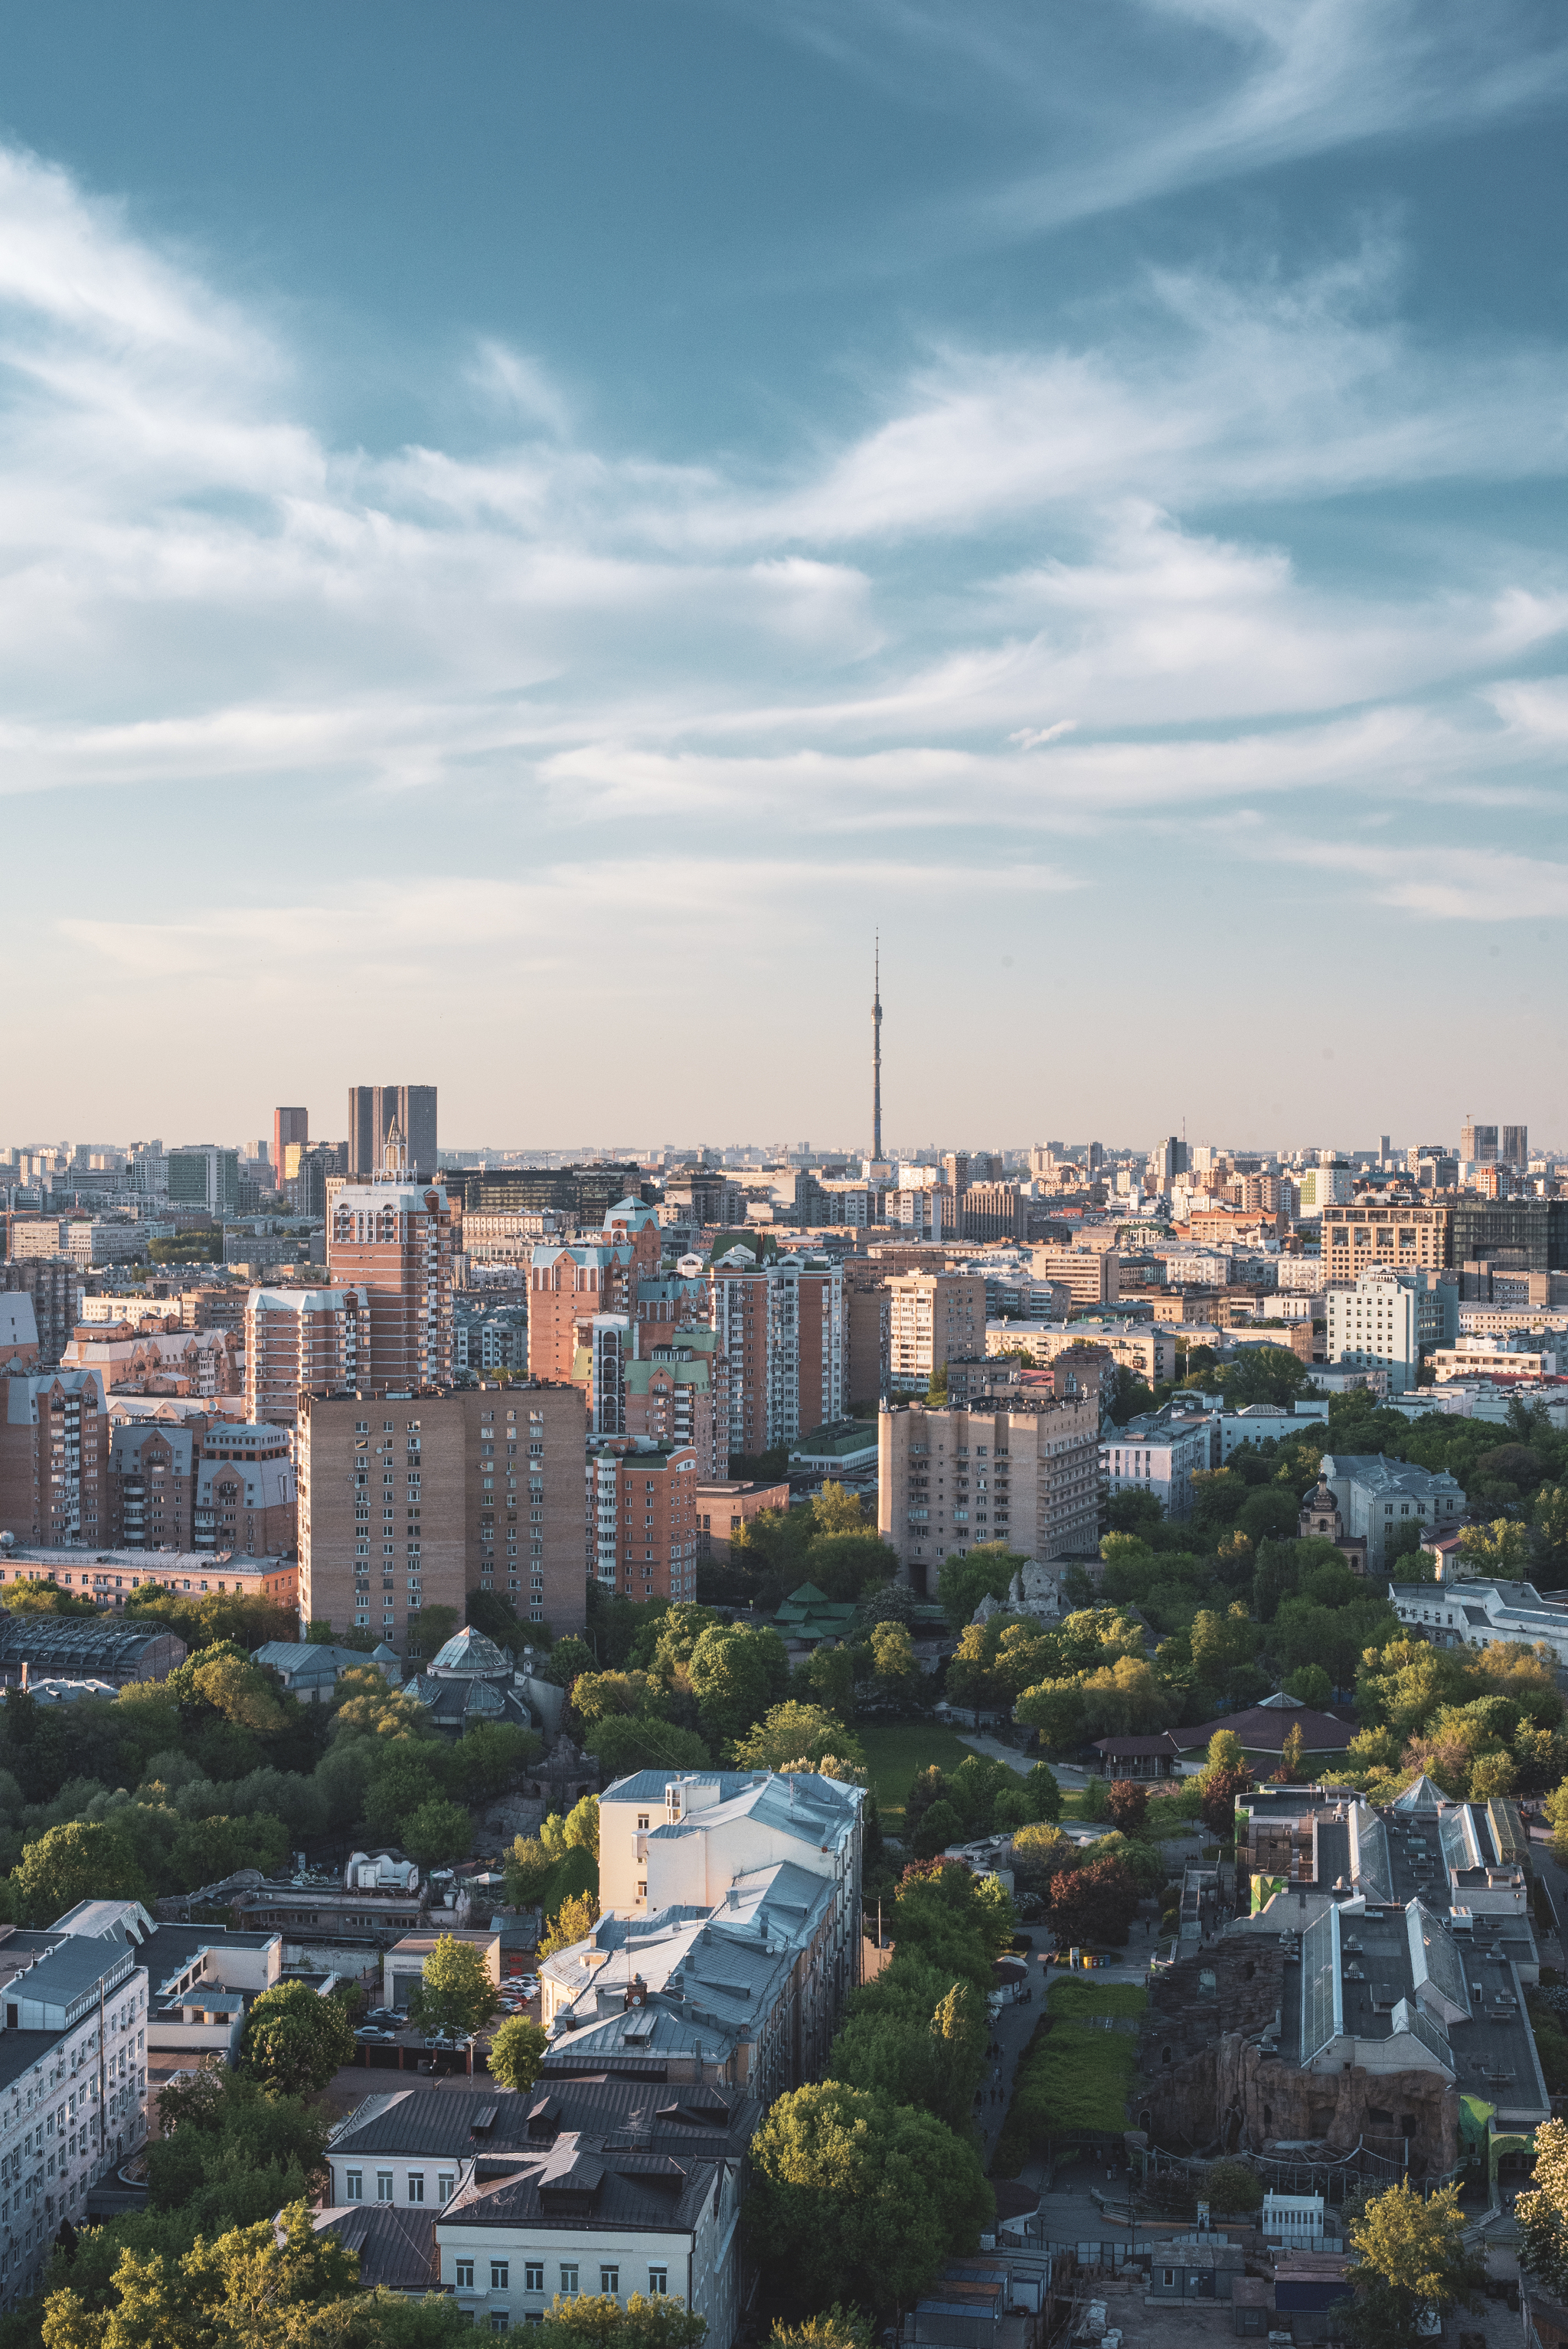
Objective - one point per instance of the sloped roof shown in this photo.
(1264, 1729)
(469, 1651)
(1421, 1797)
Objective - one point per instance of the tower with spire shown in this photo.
(876, 1052)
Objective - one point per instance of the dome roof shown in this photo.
(469, 1654)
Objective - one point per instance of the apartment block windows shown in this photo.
(384, 2185)
(446, 2185)
(353, 2186)
(465, 2275)
(533, 2276)
(568, 2276)
(501, 2275)
(658, 2280)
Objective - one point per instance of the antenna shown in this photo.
(876, 1052)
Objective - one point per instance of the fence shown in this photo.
(1333, 2179)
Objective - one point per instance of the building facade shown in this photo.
(394, 1240)
(1020, 1469)
(299, 1337)
(781, 1327)
(1387, 1317)
(1400, 1234)
(411, 1501)
(934, 1317)
(54, 1457)
(641, 1517)
(392, 1131)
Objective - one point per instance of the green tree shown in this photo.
(1217, 1800)
(794, 1736)
(591, 2321)
(1044, 1792)
(1501, 1549)
(518, 2048)
(736, 1672)
(595, 1694)
(827, 1678)
(1549, 1537)
(853, 2196)
(1540, 2213)
(985, 1572)
(893, 1658)
(1093, 1904)
(1411, 2257)
(489, 1758)
(621, 1744)
(454, 1992)
(845, 1565)
(574, 1921)
(437, 1834)
(294, 2041)
(831, 2328)
(1058, 1711)
(77, 1861)
(528, 1867)
(1233, 2186)
(1311, 1684)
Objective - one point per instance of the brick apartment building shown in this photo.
(412, 1501)
(394, 1241)
(1019, 1468)
(671, 1397)
(153, 1483)
(571, 1282)
(245, 1490)
(302, 1338)
(868, 1334)
(641, 1512)
(782, 1329)
(54, 1286)
(932, 1317)
(54, 1457)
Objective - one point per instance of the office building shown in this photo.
(300, 1338)
(932, 1317)
(411, 1501)
(1386, 1318)
(640, 1515)
(394, 1241)
(1023, 1469)
(1531, 1234)
(1513, 1146)
(1397, 1233)
(994, 1211)
(583, 1196)
(290, 1135)
(205, 1176)
(392, 1132)
(54, 1457)
(780, 1326)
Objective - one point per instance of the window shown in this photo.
(446, 2185)
(500, 2320)
(610, 2280)
(416, 2185)
(465, 2275)
(569, 2275)
(658, 2280)
(384, 2185)
(353, 2186)
(533, 2276)
(501, 2275)
(1168, 2276)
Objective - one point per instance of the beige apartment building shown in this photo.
(410, 1501)
(1357, 1237)
(1092, 1275)
(1019, 1469)
(933, 1317)
(1147, 1347)
(395, 1240)
(781, 1327)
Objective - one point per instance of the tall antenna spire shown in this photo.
(876, 1053)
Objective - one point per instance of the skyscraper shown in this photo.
(291, 1129)
(396, 1239)
(392, 1131)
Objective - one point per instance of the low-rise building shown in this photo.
(113, 1578)
(244, 1498)
(1496, 1357)
(1454, 1612)
(1158, 1453)
(725, 1505)
(1374, 1497)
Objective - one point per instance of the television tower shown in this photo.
(876, 1054)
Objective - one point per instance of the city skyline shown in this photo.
(1077, 492)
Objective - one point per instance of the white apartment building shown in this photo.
(1022, 1469)
(934, 1317)
(1385, 1317)
(1325, 1186)
(1300, 1272)
(1495, 1358)
(1147, 1347)
(1156, 1455)
(1374, 1497)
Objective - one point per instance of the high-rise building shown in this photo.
(569, 1288)
(782, 1329)
(934, 1317)
(392, 1131)
(642, 1518)
(410, 1501)
(956, 1171)
(994, 1211)
(153, 1483)
(1478, 1143)
(205, 1176)
(868, 1335)
(395, 1239)
(1384, 1319)
(55, 1285)
(54, 1458)
(291, 1131)
(876, 1057)
(1513, 1146)
(1022, 1469)
(302, 1338)
(583, 1194)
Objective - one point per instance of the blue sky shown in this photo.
(525, 532)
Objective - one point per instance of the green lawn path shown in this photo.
(1074, 2074)
(897, 1752)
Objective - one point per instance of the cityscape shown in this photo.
(783, 1176)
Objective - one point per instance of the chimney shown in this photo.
(24, 1672)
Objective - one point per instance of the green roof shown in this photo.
(846, 1436)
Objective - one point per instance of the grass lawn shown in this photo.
(1072, 1996)
(1074, 2076)
(897, 1752)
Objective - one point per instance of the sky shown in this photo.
(528, 535)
